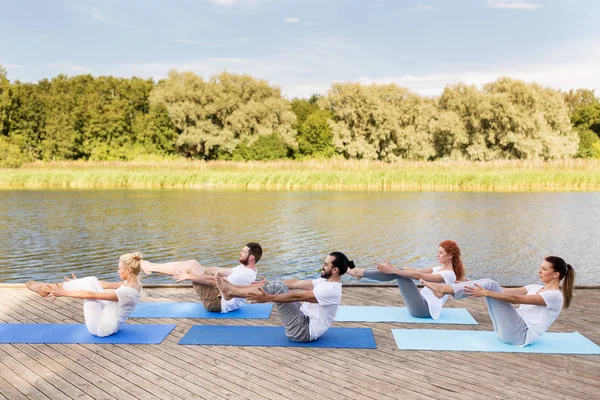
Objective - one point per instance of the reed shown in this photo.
(573, 174)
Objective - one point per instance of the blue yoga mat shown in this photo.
(78, 334)
(350, 338)
(436, 339)
(400, 314)
(197, 310)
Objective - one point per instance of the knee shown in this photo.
(490, 284)
(275, 287)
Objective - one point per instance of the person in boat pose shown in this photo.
(420, 303)
(539, 307)
(306, 314)
(203, 279)
(103, 310)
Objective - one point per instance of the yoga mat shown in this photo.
(400, 314)
(350, 338)
(197, 310)
(436, 339)
(78, 334)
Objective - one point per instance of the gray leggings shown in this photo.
(295, 322)
(415, 303)
(507, 322)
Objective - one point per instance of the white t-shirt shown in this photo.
(116, 312)
(240, 276)
(435, 305)
(539, 318)
(322, 314)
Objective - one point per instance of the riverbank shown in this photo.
(564, 175)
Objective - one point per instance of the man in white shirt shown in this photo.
(203, 279)
(306, 314)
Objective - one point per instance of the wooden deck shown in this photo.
(170, 371)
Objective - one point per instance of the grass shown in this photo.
(311, 175)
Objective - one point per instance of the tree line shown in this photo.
(237, 117)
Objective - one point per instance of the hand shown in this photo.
(476, 291)
(67, 279)
(385, 267)
(55, 291)
(259, 297)
(182, 276)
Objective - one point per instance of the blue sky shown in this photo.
(303, 46)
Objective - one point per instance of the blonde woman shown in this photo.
(103, 310)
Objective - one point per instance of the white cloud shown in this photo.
(292, 20)
(556, 76)
(66, 66)
(424, 7)
(518, 4)
(13, 66)
(193, 43)
(95, 13)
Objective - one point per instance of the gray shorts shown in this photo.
(295, 322)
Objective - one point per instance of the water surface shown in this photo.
(46, 234)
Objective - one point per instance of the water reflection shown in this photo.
(48, 233)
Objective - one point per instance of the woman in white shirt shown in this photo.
(103, 310)
(539, 304)
(420, 304)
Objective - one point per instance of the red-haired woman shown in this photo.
(420, 303)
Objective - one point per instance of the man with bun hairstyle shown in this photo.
(203, 278)
(306, 314)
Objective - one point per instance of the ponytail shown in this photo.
(567, 286)
(566, 273)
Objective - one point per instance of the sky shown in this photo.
(303, 46)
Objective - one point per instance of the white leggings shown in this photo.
(507, 322)
(92, 309)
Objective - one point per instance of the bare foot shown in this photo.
(225, 287)
(439, 289)
(146, 267)
(41, 288)
(357, 273)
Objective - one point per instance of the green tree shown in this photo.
(217, 116)
(587, 117)
(580, 98)
(4, 101)
(589, 144)
(510, 119)
(379, 122)
(155, 131)
(315, 136)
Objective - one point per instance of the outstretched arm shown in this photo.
(413, 273)
(508, 297)
(58, 291)
(260, 296)
(299, 284)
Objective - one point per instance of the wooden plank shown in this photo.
(178, 371)
(8, 391)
